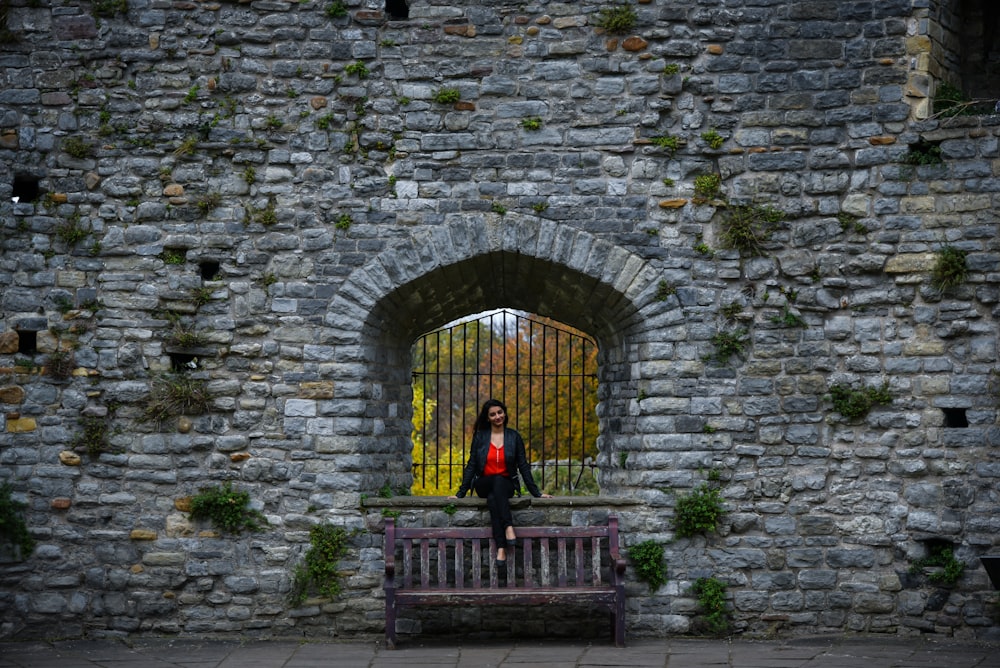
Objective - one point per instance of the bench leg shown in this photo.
(390, 621)
(618, 623)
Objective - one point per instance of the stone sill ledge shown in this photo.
(472, 501)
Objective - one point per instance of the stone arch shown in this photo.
(474, 264)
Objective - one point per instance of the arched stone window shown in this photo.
(955, 58)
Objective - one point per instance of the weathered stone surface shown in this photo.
(332, 206)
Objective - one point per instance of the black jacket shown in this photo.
(514, 456)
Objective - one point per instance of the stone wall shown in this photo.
(270, 201)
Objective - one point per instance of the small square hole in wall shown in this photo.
(27, 342)
(209, 270)
(955, 417)
(25, 188)
(397, 10)
(183, 362)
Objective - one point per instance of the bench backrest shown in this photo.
(453, 557)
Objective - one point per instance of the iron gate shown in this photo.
(545, 373)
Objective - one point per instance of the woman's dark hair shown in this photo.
(483, 421)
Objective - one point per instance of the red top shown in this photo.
(495, 464)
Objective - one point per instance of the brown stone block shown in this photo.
(674, 203)
(60, 503)
(239, 456)
(466, 30)
(12, 394)
(69, 458)
(8, 342)
(465, 106)
(881, 141)
(142, 534)
(634, 44)
(319, 389)
(183, 504)
(8, 139)
(318, 102)
(173, 190)
(21, 425)
(715, 49)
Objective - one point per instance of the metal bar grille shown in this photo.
(544, 372)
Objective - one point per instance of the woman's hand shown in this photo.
(453, 496)
(545, 496)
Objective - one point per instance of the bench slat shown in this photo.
(537, 596)
(561, 569)
(425, 560)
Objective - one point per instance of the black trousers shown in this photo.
(497, 490)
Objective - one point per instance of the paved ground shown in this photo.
(820, 652)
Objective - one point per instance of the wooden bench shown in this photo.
(445, 566)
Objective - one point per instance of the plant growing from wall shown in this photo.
(184, 336)
(664, 291)
(711, 593)
(60, 364)
(343, 222)
(924, 153)
(853, 403)
(713, 139)
(952, 101)
(175, 256)
(227, 509)
(13, 528)
(266, 216)
(336, 9)
(318, 571)
(947, 570)
(749, 227)
(950, 269)
(71, 231)
(731, 310)
(707, 186)
(201, 296)
(187, 146)
(358, 69)
(94, 435)
(78, 147)
(698, 511)
(667, 142)
(175, 394)
(616, 20)
(788, 318)
(849, 222)
(727, 342)
(108, 8)
(446, 96)
(532, 124)
(647, 557)
(207, 202)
